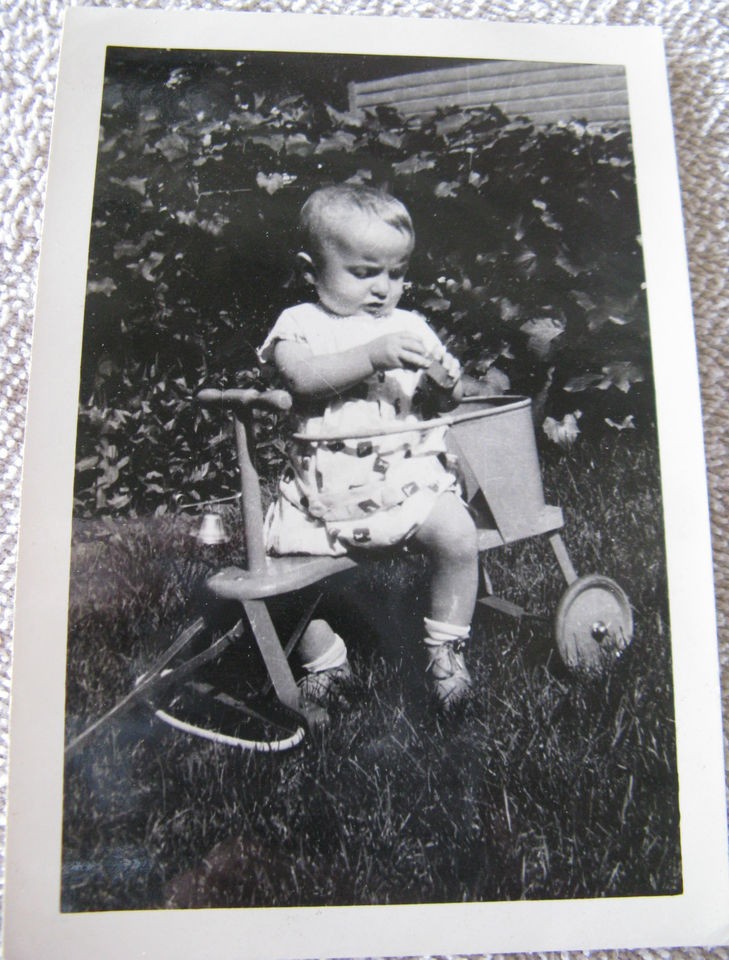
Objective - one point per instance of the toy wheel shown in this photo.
(203, 711)
(220, 699)
(593, 625)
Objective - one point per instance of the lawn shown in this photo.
(544, 787)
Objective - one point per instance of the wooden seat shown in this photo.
(279, 575)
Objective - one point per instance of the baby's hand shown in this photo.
(398, 350)
(451, 365)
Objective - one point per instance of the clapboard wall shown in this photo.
(544, 92)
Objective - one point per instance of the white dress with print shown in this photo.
(355, 493)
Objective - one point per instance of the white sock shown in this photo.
(438, 632)
(334, 656)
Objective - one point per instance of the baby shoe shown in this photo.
(325, 686)
(448, 676)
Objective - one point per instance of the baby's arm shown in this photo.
(310, 375)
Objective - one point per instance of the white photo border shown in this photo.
(34, 925)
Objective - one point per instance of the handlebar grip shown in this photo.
(241, 400)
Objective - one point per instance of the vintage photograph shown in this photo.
(364, 600)
(368, 600)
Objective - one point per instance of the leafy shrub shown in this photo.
(527, 263)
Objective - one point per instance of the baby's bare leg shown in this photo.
(448, 538)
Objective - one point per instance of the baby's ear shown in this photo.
(306, 267)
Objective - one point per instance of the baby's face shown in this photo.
(361, 268)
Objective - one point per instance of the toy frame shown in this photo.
(492, 441)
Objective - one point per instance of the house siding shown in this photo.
(543, 92)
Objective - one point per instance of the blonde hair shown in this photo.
(326, 208)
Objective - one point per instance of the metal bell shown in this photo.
(212, 530)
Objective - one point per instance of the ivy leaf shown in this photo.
(348, 118)
(391, 139)
(627, 423)
(496, 380)
(146, 267)
(451, 124)
(618, 162)
(109, 476)
(215, 224)
(137, 184)
(545, 215)
(582, 299)
(153, 488)
(248, 119)
(613, 311)
(526, 261)
(128, 248)
(119, 500)
(583, 382)
(436, 304)
(621, 375)
(480, 294)
(564, 263)
(464, 283)
(105, 146)
(596, 319)
(577, 128)
(199, 473)
(173, 147)
(299, 145)
(339, 140)
(105, 286)
(274, 141)
(508, 310)
(563, 432)
(272, 182)
(414, 164)
(541, 332)
(447, 188)
(360, 177)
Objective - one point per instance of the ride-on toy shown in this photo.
(493, 441)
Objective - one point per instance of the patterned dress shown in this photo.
(359, 492)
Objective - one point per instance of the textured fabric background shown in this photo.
(697, 43)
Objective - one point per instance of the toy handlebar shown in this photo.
(239, 401)
(241, 404)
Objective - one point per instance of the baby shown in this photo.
(354, 363)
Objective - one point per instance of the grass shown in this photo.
(545, 787)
